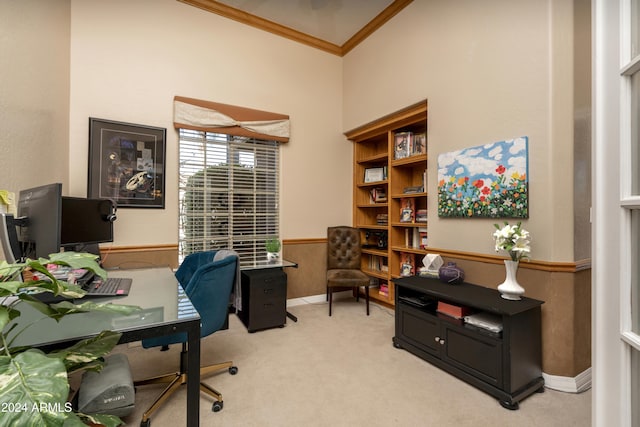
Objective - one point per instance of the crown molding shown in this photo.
(298, 36)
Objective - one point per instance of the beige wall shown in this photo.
(491, 70)
(34, 92)
(129, 59)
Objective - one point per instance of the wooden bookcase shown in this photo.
(389, 174)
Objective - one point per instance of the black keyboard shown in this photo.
(110, 286)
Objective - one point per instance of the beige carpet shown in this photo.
(337, 371)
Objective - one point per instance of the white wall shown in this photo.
(34, 93)
(491, 70)
(130, 58)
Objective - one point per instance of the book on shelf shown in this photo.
(378, 263)
(414, 189)
(382, 219)
(422, 235)
(378, 195)
(407, 210)
(407, 264)
(419, 144)
(383, 289)
(424, 180)
(402, 145)
(421, 215)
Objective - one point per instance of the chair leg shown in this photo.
(366, 292)
(330, 299)
(175, 384)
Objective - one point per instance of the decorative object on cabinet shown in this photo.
(514, 240)
(510, 289)
(387, 142)
(431, 266)
(126, 163)
(451, 273)
(487, 181)
(343, 263)
(504, 361)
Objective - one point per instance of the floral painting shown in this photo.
(487, 181)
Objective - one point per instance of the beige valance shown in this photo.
(189, 113)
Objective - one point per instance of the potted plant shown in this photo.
(34, 386)
(272, 246)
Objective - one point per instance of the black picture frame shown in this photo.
(127, 163)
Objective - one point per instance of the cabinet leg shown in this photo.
(512, 406)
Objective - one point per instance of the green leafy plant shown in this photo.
(272, 245)
(34, 385)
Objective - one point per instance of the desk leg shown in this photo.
(193, 376)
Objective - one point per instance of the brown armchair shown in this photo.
(343, 263)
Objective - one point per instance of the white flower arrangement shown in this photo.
(513, 239)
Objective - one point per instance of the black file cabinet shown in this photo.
(264, 299)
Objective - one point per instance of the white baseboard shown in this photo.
(317, 299)
(578, 384)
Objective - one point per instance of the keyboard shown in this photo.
(112, 286)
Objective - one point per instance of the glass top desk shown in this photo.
(165, 310)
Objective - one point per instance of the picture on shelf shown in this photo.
(402, 145)
(375, 174)
(407, 210)
(419, 145)
(407, 264)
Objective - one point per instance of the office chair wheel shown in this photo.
(217, 406)
(233, 370)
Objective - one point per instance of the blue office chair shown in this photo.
(208, 284)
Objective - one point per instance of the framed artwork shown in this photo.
(487, 181)
(126, 163)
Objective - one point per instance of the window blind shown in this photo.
(228, 193)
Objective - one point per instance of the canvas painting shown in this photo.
(486, 181)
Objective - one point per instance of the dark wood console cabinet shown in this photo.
(507, 365)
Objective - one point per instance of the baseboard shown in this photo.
(317, 299)
(577, 384)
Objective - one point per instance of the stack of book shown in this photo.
(382, 219)
(421, 215)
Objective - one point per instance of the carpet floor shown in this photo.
(336, 371)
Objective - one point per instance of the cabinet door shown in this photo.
(473, 352)
(418, 328)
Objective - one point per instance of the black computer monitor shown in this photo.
(9, 238)
(85, 223)
(40, 210)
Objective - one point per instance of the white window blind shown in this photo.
(228, 194)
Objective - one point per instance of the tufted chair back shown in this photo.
(343, 248)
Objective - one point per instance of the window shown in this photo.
(630, 203)
(228, 194)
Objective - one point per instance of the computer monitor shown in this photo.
(9, 238)
(40, 209)
(85, 223)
